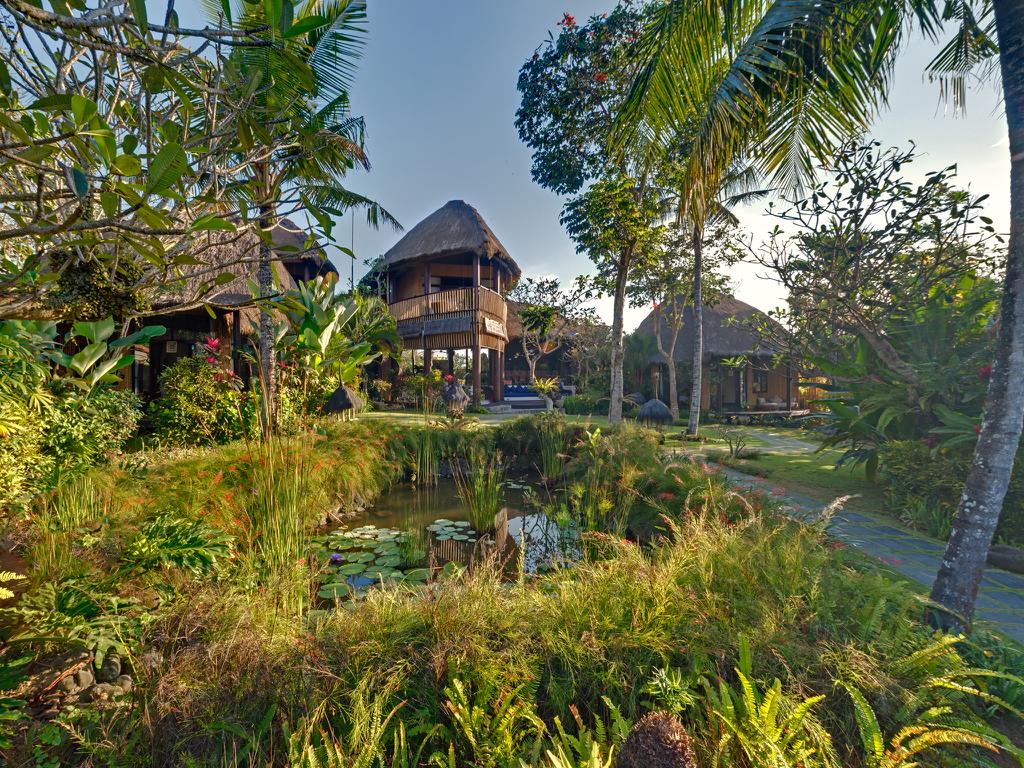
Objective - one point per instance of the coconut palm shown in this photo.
(304, 121)
(789, 81)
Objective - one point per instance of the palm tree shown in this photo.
(792, 79)
(311, 139)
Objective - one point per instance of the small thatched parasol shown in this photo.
(455, 398)
(343, 400)
(654, 412)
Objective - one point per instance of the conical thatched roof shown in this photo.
(654, 412)
(454, 229)
(343, 399)
(727, 331)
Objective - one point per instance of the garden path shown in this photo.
(914, 555)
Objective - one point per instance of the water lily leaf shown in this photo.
(387, 562)
(418, 574)
(351, 569)
(331, 591)
(459, 537)
(444, 537)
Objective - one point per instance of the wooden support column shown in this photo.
(492, 358)
(477, 320)
(428, 360)
(236, 342)
(476, 373)
(451, 362)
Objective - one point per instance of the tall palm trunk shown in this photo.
(956, 586)
(265, 277)
(618, 351)
(698, 334)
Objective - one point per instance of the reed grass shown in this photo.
(479, 487)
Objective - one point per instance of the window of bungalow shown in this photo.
(760, 382)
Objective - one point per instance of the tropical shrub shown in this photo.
(200, 405)
(581, 405)
(923, 485)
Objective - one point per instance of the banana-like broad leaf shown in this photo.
(101, 330)
(83, 361)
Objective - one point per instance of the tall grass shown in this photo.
(427, 456)
(280, 516)
(480, 485)
(59, 520)
(588, 641)
(552, 439)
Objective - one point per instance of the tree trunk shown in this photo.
(618, 352)
(956, 586)
(698, 334)
(268, 374)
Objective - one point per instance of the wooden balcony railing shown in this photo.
(451, 301)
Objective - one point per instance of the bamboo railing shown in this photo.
(451, 301)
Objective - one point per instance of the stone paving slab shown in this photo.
(1000, 600)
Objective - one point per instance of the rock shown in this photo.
(105, 692)
(84, 678)
(658, 740)
(1006, 557)
(125, 683)
(110, 669)
(69, 684)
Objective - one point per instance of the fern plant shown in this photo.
(6, 577)
(930, 730)
(765, 728)
(590, 748)
(489, 729)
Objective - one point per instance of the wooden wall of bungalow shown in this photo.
(739, 373)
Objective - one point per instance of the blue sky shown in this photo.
(437, 86)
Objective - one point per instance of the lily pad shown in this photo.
(351, 569)
(387, 562)
(418, 574)
(331, 591)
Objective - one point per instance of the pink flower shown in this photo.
(212, 343)
(211, 359)
(666, 495)
(930, 440)
(985, 372)
(568, 20)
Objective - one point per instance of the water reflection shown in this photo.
(523, 537)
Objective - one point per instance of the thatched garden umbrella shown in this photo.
(654, 412)
(455, 398)
(344, 401)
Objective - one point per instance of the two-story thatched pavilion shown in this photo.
(446, 280)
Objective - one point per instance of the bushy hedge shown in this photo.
(581, 405)
(65, 437)
(198, 405)
(924, 488)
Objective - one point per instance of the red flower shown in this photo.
(985, 371)
(211, 359)
(212, 342)
(568, 20)
(977, 429)
(600, 77)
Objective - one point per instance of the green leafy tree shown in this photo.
(571, 89)
(549, 315)
(789, 82)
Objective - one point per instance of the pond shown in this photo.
(413, 531)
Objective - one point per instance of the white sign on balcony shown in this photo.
(494, 327)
